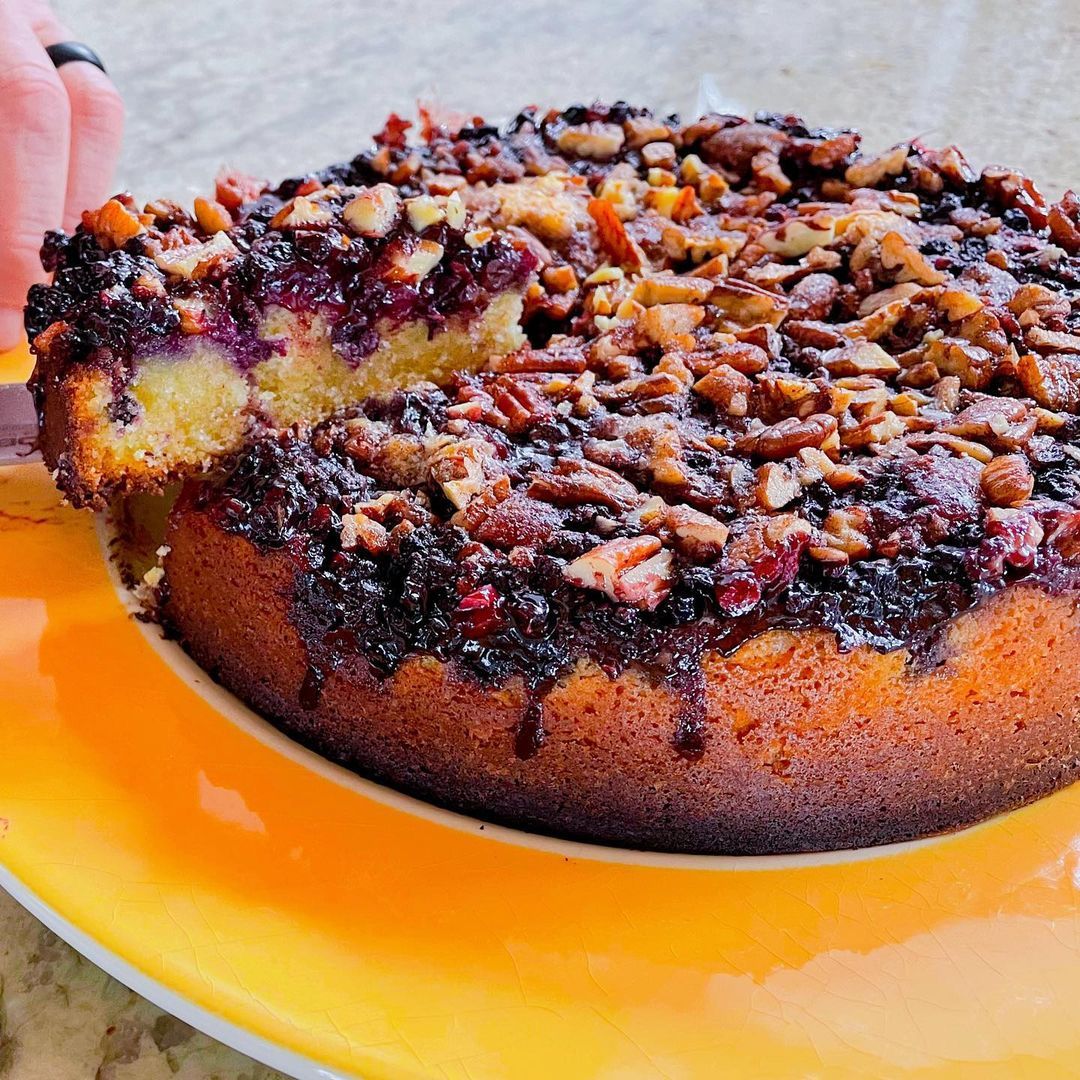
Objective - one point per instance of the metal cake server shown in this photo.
(18, 425)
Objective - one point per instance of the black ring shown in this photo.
(67, 52)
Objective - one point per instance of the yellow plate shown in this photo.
(333, 928)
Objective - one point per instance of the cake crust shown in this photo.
(807, 748)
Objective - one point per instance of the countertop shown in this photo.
(278, 88)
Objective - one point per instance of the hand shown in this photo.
(60, 135)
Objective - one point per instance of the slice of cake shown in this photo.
(166, 340)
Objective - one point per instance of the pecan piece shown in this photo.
(301, 213)
(613, 237)
(373, 212)
(777, 485)
(630, 570)
(1053, 380)
(813, 297)
(906, 259)
(742, 304)
(113, 225)
(847, 529)
(458, 467)
(796, 237)
(572, 482)
(729, 390)
(1001, 422)
(595, 140)
(870, 171)
(672, 289)
(860, 358)
(698, 535)
(1007, 480)
(195, 260)
(1064, 221)
(212, 216)
(786, 438)
(360, 531)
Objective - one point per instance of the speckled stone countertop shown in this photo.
(280, 87)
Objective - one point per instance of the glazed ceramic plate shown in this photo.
(334, 928)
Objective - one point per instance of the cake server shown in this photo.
(18, 425)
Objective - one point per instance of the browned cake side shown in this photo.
(807, 748)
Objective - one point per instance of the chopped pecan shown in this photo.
(664, 324)
(595, 140)
(698, 535)
(729, 390)
(233, 189)
(415, 263)
(1007, 480)
(573, 482)
(507, 519)
(1064, 221)
(458, 467)
(212, 216)
(630, 570)
(1052, 380)
(301, 212)
(906, 259)
(870, 171)
(659, 154)
(860, 358)
(640, 130)
(423, 212)
(671, 289)
(797, 236)
(1008, 188)
(777, 485)
(196, 260)
(874, 431)
(613, 237)
(848, 529)
(742, 304)
(1001, 422)
(813, 297)
(559, 279)
(971, 364)
(767, 173)
(786, 438)
(114, 224)
(360, 531)
(1052, 340)
(373, 212)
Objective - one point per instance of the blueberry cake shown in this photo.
(765, 539)
(168, 339)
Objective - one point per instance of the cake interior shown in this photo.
(198, 405)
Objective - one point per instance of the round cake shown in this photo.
(769, 541)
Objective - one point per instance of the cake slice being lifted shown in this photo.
(167, 339)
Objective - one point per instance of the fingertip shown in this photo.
(11, 328)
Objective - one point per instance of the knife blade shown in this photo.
(18, 425)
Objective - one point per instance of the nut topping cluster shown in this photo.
(131, 283)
